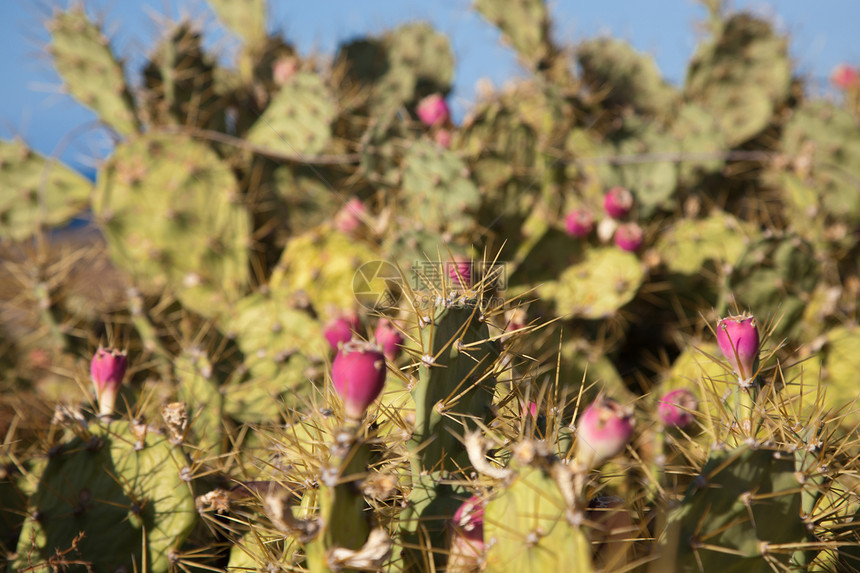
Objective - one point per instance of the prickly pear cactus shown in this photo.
(172, 217)
(399, 68)
(742, 74)
(614, 68)
(605, 280)
(824, 143)
(179, 81)
(120, 481)
(435, 184)
(690, 243)
(280, 344)
(754, 528)
(246, 19)
(776, 276)
(455, 380)
(83, 58)
(298, 120)
(524, 23)
(38, 193)
(321, 265)
(526, 528)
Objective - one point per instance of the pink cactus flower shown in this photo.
(283, 69)
(433, 110)
(339, 330)
(442, 137)
(358, 374)
(845, 77)
(460, 272)
(389, 338)
(349, 218)
(579, 223)
(107, 371)
(467, 536)
(676, 408)
(603, 431)
(739, 342)
(617, 202)
(629, 237)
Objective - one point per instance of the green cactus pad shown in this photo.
(652, 181)
(596, 287)
(179, 82)
(399, 68)
(526, 529)
(201, 392)
(824, 143)
(279, 344)
(436, 186)
(170, 211)
(90, 72)
(321, 264)
(741, 75)
(245, 18)
(382, 149)
(699, 134)
(417, 49)
(626, 76)
(524, 23)
(111, 484)
(839, 376)
(298, 119)
(454, 386)
(745, 503)
(37, 192)
(775, 276)
(690, 243)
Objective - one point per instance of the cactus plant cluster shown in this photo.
(604, 323)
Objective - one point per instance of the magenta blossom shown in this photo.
(389, 338)
(340, 329)
(467, 536)
(629, 237)
(433, 110)
(617, 202)
(676, 408)
(107, 371)
(348, 219)
(739, 342)
(845, 77)
(358, 374)
(579, 223)
(603, 431)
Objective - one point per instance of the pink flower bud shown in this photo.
(107, 370)
(443, 138)
(358, 374)
(579, 222)
(432, 110)
(348, 219)
(629, 237)
(617, 202)
(460, 272)
(676, 408)
(467, 536)
(339, 330)
(283, 69)
(603, 431)
(845, 77)
(739, 342)
(389, 338)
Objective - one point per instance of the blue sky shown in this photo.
(31, 105)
